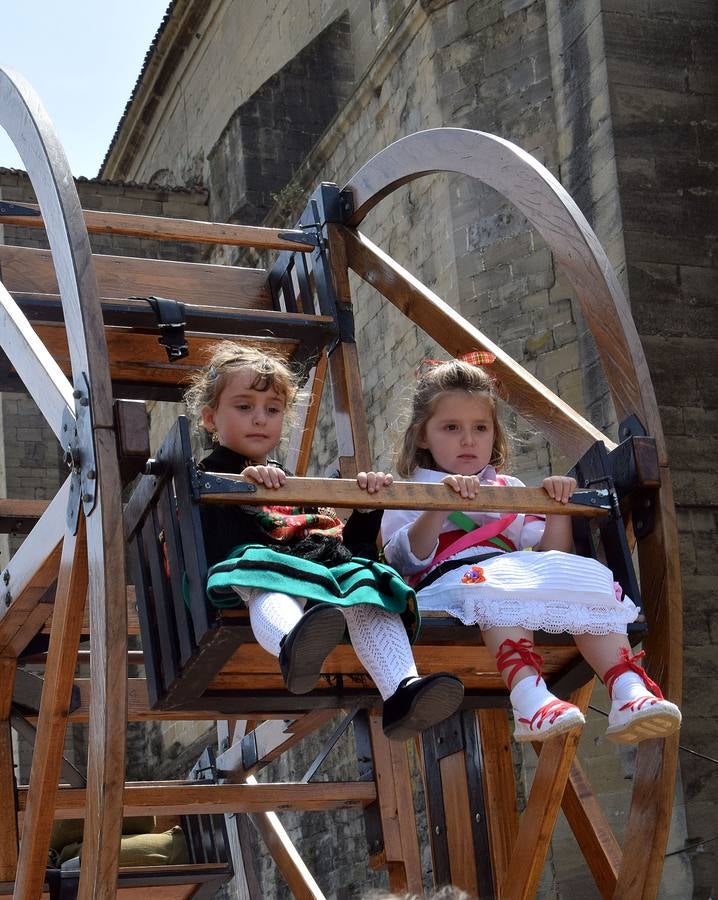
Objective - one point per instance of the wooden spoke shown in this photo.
(527, 395)
(532, 189)
(47, 755)
(302, 435)
(28, 126)
(30, 573)
(42, 376)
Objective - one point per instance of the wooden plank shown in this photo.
(536, 403)
(186, 230)
(137, 357)
(169, 798)
(344, 492)
(8, 834)
(30, 572)
(47, 755)
(592, 830)
(396, 809)
(37, 369)
(499, 788)
(458, 814)
(537, 822)
(32, 271)
(133, 626)
(19, 516)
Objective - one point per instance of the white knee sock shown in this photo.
(381, 645)
(527, 697)
(272, 616)
(629, 686)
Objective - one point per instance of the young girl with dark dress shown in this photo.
(295, 568)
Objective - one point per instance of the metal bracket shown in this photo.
(203, 483)
(607, 496)
(79, 448)
(17, 209)
(597, 499)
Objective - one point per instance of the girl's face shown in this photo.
(246, 420)
(459, 434)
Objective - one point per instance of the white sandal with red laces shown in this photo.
(538, 714)
(643, 716)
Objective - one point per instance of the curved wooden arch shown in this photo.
(548, 207)
(98, 558)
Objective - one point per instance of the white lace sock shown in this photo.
(272, 616)
(381, 645)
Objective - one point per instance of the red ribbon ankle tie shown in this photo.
(522, 649)
(630, 664)
(551, 711)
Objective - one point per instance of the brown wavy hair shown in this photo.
(270, 371)
(436, 381)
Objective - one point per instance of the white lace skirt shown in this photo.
(552, 591)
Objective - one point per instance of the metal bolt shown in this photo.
(84, 401)
(77, 394)
(477, 817)
(8, 598)
(6, 576)
(86, 498)
(91, 474)
(437, 829)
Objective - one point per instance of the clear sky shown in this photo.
(83, 58)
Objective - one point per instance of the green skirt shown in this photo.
(346, 584)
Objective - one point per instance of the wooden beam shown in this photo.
(34, 364)
(499, 789)
(527, 395)
(189, 231)
(592, 830)
(302, 434)
(31, 571)
(396, 809)
(8, 834)
(168, 798)
(47, 755)
(19, 516)
(344, 492)
(32, 271)
(537, 822)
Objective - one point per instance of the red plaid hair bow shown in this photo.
(473, 358)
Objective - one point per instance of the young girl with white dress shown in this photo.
(513, 573)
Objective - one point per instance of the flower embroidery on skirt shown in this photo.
(475, 575)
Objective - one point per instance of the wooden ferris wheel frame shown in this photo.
(93, 554)
(532, 189)
(86, 554)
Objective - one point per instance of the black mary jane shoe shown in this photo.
(308, 644)
(421, 703)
